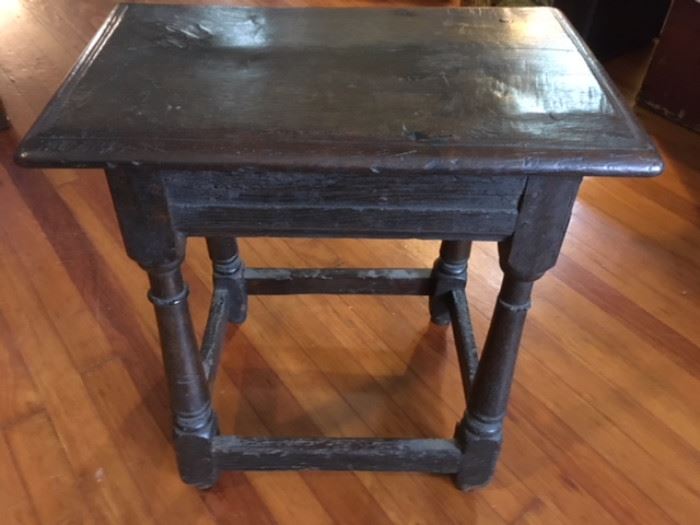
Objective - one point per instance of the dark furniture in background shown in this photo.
(425, 123)
(672, 84)
(612, 27)
(609, 27)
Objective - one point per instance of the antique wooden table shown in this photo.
(450, 124)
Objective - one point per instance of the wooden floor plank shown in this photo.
(54, 488)
(662, 311)
(15, 503)
(634, 366)
(593, 427)
(283, 415)
(582, 462)
(146, 450)
(105, 484)
(289, 499)
(18, 396)
(317, 396)
(67, 308)
(291, 496)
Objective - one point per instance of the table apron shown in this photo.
(341, 205)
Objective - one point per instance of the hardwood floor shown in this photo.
(604, 425)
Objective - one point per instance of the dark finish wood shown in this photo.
(450, 266)
(672, 83)
(194, 420)
(142, 211)
(333, 204)
(229, 275)
(509, 172)
(422, 455)
(215, 332)
(531, 251)
(144, 216)
(467, 351)
(394, 281)
(229, 301)
(481, 432)
(545, 212)
(356, 90)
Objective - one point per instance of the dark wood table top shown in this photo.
(503, 91)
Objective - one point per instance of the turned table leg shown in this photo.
(228, 274)
(194, 422)
(524, 257)
(450, 265)
(481, 431)
(151, 240)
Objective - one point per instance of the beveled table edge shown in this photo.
(643, 160)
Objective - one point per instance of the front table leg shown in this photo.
(481, 431)
(193, 418)
(525, 257)
(142, 209)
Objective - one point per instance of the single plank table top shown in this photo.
(467, 91)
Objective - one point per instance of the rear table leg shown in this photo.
(451, 265)
(228, 274)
